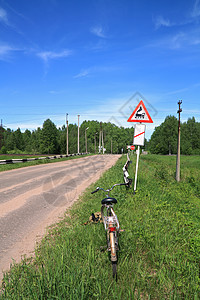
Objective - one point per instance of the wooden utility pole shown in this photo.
(99, 141)
(100, 137)
(102, 142)
(78, 133)
(67, 141)
(86, 139)
(1, 134)
(179, 140)
(95, 143)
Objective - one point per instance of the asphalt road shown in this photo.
(34, 197)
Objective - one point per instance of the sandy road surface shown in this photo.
(33, 198)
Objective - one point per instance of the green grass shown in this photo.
(159, 250)
(32, 163)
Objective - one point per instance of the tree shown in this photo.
(18, 140)
(35, 140)
(8, 139)
(164, 137)
(190, 137)
(48, 138)
(27, 141)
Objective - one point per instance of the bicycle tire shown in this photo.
(102, 212)
(114, 270)
(113, 255)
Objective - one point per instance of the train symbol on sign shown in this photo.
(139, 114)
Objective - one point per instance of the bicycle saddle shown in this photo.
(109, 201)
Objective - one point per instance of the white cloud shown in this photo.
(192, 17)
(98, 46)
(178, 40)
(83, 73)
(3, 16)
(96, 69)
(53, 92)
(196, 9)
(184, 39)
(98, 31)
(24, 126)
(175, 92)
(160, 21)
(48, 55)
(5, 51)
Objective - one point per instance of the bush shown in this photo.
(15, 151)
(3, 150)
(162, 172)
(196, 152)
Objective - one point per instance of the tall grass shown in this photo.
(159, 250)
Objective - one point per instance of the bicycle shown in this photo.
(127, 180)
(111, 225)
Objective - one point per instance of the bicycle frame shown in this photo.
(110, 218)
(111, 225)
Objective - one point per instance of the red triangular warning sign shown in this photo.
(140, 114)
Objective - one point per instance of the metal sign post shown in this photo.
(178, 146)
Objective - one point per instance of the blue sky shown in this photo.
(98, 59)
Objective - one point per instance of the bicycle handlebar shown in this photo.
(95, 190)
(108, 190)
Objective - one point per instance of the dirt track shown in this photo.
(32, 198)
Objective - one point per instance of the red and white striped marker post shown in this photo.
(139, 134)
(139, 115)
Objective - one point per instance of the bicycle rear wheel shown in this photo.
(113, 257)
(114, 269)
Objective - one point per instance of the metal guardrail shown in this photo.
(22, 160)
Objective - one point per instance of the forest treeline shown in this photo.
(52, 140)
(164, 138)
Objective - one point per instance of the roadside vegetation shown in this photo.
(159, 250)
(52, 140)
(164, 138)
